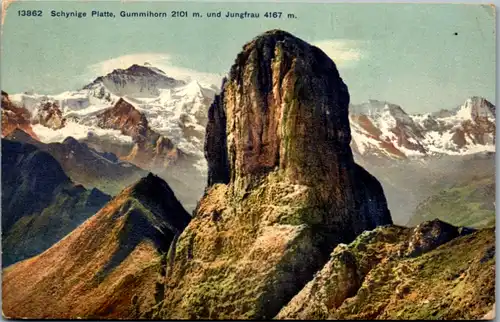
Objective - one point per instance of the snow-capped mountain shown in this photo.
(139, 114)
(136, 81)
(173, 108)
(177, 110)
(385, 129)
(148, 118)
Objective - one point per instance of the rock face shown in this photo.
(40, 204)
(283, 188)
(429, 235)
(50, 115)
(151, 150)
(109, 267)
(380, 276)
(14, 117)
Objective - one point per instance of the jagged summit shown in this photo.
(135, 81)
(125, 117)
(136, 70)
(477, 107)
(284, 76)
(154, 190)
(383, 129)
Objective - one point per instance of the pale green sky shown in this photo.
(407, 54)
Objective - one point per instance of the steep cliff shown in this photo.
(283, 188)
(15, 117)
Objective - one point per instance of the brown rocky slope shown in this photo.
(432, 271)
(108, 267)
(283, 186)
(14, 117)
(151, 150)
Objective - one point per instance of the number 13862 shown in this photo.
(29, 13)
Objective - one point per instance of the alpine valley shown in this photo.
(142, 196)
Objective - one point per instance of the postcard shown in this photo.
(167, 160)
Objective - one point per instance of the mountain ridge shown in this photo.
(86, 165)
(40, 203)
(105, 267)
(385, 129)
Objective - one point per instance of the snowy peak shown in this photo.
(476, 107)
(173, 108)
(135, 81)
(193, 89)
(472, 109)
(392, 131)
(385, 129)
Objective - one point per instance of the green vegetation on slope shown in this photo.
(34, 233)
(433, 271)
(454, 281)
(466, 204)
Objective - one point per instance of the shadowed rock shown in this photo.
(40, 204)
(429, 235)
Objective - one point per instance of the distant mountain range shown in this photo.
(85, 165)
(172, 108)
(158, 123)
(385, 129)
(178, 111)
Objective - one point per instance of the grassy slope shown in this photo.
(67, 281)
(454, 281)
(374, 278)
(35, 233)
(466, 204)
